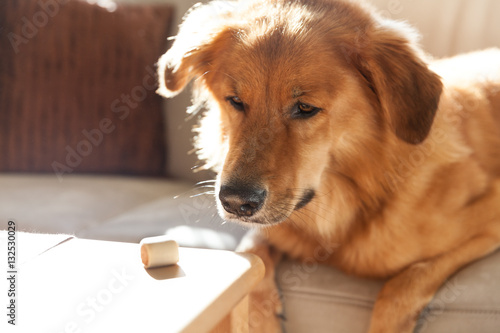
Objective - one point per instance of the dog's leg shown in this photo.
(265, 308)
(403, 297)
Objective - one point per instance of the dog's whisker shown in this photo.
(206, 181)
(202, 193)
(185, 193)
(205, 186)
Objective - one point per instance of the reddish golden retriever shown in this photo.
(334, 135)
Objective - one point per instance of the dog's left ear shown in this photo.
(407, 90)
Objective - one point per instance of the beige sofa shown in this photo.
(101, 199)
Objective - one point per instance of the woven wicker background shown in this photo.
(75, 67)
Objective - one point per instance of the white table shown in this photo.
(73, 285)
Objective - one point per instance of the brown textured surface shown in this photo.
(71, 73)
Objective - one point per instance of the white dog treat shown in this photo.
(159, 251)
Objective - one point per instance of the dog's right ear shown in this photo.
(202, 36)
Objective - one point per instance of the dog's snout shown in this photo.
(242, 201)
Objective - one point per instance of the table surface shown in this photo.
(73, 285)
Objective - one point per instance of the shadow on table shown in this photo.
(166, 272)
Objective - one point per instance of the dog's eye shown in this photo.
(236, 102)
(302, 110)
(305, 108)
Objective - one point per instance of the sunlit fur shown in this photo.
(406, 170)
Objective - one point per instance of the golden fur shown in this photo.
(402, 160)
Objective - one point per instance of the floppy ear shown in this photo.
(203, 33)
(407, 90)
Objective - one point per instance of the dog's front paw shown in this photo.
(265, 308)
(401, 300)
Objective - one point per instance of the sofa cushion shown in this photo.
(77, 87)
(115, 208)
(320, 299)
(448, 27)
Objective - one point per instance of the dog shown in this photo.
(337, 138)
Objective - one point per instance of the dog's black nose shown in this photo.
(242, 201)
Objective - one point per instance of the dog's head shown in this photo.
(296, 90)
